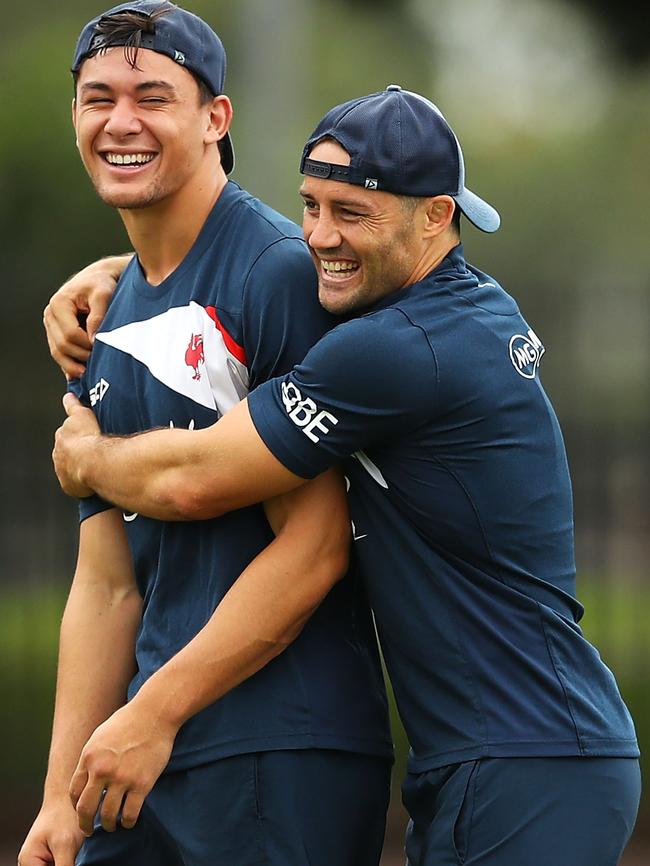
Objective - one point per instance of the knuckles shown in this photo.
(84, 812)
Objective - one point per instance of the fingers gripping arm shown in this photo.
(84, 297)
(171, 474)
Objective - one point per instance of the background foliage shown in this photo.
(550, 100)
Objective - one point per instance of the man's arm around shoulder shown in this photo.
(170, 474)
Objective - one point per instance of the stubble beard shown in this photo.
(126, 200)
(377, 284)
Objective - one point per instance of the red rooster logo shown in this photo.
(194, 354)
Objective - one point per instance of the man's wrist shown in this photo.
(56, 791)
(161, 703)
(88, 459)
(114, 265)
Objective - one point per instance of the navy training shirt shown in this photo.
(241, 308)
(461, 501)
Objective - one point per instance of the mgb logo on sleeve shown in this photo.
(526, 353)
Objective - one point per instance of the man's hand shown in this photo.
(55, 837)
(86, 294)
(80, 429)
(123, 758)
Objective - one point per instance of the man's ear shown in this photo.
(220, 118)
(438, 215)
(74, 119)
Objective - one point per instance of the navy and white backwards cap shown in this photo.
(180, 35)
(398, 142)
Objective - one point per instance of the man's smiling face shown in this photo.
(364, 243)
(140, 131)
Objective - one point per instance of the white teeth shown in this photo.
(129, 158)
(339, 266)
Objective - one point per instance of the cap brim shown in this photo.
(227, 153)
(477, 211)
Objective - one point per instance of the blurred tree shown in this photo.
(626, 27)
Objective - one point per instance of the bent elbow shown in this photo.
(339, 562)
(333, 564)
(185, 501)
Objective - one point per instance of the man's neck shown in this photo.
(163, 234)
(433, 256)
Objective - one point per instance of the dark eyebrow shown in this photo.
(146, 85)
(156, 85)
(95, 85)
(357, 204)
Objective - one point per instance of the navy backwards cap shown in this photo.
(179, 34)
(398, 142)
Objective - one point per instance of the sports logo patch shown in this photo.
(526, 353)
(189, 350)
(96, 393)
(305, 413)
(194, 354)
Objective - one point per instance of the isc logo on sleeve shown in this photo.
(305, 413)
(96, 393)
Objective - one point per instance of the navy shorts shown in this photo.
(522, 812)
(287, 808)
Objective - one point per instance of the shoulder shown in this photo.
(385, 338)
(243, 233)
(379, 352)
(284, 259)
(281, 278)
(262, 223)
(273, 244)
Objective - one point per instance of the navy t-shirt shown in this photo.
(461, 501)
(240, 308)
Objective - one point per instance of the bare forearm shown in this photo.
(142, 473)
(96, 662)
(108, 266)
(113, 265)
(263, 612)
(174, 474)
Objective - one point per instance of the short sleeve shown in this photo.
(366, 382)
(281, 315)
(91, 504)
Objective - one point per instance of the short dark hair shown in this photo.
(126, 29)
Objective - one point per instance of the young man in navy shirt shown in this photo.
(256, 721)
(522, 751)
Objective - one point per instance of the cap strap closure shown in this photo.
(326, 170)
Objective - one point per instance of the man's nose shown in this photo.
(123, 120)
(325, 234)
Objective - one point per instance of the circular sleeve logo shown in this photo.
(526, 353)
